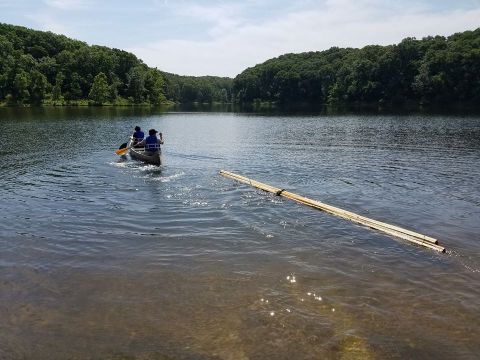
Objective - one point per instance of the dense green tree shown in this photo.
(224, 96)
(7, 62)
(154, 86)
(136, 84)
(57, 88)
(100, 89)
(38, 87)
(433, 70)
(49, 67)
(70, 66)
(37, 67)
(20, 90)
(114, 87)
(188, 89)
(74, 91)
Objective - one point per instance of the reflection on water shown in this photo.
(105, 257)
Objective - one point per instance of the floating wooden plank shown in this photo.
(393, 230)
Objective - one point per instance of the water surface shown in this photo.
(104, 257)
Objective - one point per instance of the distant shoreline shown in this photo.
(273, 108)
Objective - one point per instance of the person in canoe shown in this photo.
(137, 136)
(152, 142)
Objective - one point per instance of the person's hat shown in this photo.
(152, 132)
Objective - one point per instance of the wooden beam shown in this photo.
(393, 230)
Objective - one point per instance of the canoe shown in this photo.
(145, 156)
(142, 155)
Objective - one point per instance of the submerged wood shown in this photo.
(393, 230)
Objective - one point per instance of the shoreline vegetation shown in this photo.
(44, 69)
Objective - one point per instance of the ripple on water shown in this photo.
(143, 258)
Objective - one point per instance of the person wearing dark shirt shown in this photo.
(152, 142)
(138, 136)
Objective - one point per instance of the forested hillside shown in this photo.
(204, 89)
(44, 68)
(434, 70)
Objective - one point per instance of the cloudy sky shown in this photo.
(223, 37)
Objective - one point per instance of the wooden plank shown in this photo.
(393, 230)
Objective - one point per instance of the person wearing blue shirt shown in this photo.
(138, 135)
(152, 142)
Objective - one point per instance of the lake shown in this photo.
(103, 257)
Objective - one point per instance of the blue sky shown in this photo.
(223, 37)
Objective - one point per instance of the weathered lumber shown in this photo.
(393, 230)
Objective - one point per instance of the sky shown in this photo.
(224, 37)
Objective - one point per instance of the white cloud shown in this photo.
(48, 22)
(68, 4)
(8, 3)
(222, 18)
(235, 44)
(58, 16)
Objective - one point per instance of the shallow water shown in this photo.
(105, 257)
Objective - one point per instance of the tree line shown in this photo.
(39, 67)
(44, 68)
(433, 70)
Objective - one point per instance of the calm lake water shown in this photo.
(105, 258)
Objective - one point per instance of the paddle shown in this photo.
(123, 149)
